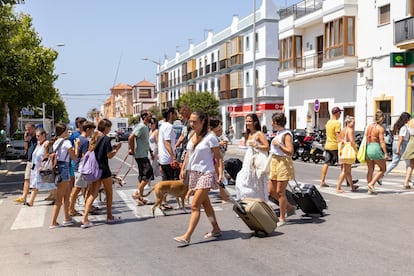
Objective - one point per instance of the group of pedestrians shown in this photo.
(376, 152)
(65, 152)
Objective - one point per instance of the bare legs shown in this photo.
(345, 175)
(93, 193)
(200, 198)
(61, 197)
(408, 173)
(323, 176)
(277, 190)
(371, 178)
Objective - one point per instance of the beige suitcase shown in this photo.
(257, 215)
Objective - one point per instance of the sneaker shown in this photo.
(281, 223)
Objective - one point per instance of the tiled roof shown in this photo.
(144, 83)
(122, 86)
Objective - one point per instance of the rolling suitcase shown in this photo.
(256, 213)
(309, 199)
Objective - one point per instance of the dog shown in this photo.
(172, 187)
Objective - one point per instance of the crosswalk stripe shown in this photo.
(30, 217)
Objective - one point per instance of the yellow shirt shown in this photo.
(333, 127)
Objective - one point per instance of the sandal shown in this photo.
(407, 187)
(354, 188)
(371, 190)
(139, 202)
(114, 220)
(75, 214)
(87, 225)
(182, 241)
(167, 207)
(212, 235)
(340, 191)
(147, 202)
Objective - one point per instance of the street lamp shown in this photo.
(158, 83)
(254, 59)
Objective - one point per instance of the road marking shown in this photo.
(388, 187)
(30, 217)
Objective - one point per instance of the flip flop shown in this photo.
(340, 191)
(182, 241)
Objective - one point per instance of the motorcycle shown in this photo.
(318, 148)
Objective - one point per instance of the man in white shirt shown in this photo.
(166, 141)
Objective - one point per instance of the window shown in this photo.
(384, 15)
(247, 43)
(247, 78)
(340, 37)
(290, 49)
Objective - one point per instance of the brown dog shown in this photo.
(172, 187)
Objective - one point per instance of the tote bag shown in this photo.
(362, 151)
(346, 153)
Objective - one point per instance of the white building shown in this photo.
(223, 64)
(337, 53)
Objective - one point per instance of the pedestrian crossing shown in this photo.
(387, 187)
(124, 205)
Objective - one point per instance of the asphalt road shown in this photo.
(359, 235)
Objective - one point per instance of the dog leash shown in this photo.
(121, 181)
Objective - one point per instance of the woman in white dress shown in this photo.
(153, 143)
(36, 183)
(251, 181)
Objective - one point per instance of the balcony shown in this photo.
(308, 65)
(301, 9)
(404, 33)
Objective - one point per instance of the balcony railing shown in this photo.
(404, 30)
(301, 9)
(306, 63)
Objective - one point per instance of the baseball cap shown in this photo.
(336, 110)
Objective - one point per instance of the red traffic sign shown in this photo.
(316, 105)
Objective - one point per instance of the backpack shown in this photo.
(89, 169)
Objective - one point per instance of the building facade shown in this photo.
(223, 64)
(337, 53)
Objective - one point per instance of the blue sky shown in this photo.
(99, 35)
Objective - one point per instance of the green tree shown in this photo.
(204, 101)
(26, 74)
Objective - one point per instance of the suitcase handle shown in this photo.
(230, 197)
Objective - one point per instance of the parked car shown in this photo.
(123, 134)
(112, 134)
(15, 147)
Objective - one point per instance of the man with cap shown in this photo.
(332, 127)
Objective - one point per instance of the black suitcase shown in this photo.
(233, 166)
(309, 199)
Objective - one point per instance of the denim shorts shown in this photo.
(64, 170)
